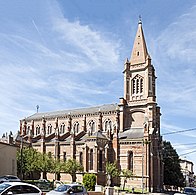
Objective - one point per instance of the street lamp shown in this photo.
(21, 158)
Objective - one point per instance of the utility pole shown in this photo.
(21, 158)
(142, 166)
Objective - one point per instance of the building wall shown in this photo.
(187, 170)
(8, 162)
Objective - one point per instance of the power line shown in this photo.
(181, 131)
(188, 153)
(184, 144)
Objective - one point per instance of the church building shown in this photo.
(127, 132)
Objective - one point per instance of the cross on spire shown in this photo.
(140, 19)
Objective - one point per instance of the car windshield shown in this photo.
(62, 188)
(3, 186)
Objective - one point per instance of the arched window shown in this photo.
(76, 127)
(49, 130)
(81, 158)
(137, 85)
(62, 128)
(91, 127)
(108, 125)
(130, 161)
(91, 160)
(37, 130)
(100, 160)
(141, 86)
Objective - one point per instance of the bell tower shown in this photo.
(139, 73)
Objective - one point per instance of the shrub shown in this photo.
(89, 181)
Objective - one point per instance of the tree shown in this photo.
(27, 161)
(46, 164)
(31, 161)
(89, 181)
(71, 167)
(57, 168)
(126, 174)
(112, 172)
(172, 171)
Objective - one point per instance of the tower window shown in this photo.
(141, 86)
(133, 87)
(127, 86)
(137, 85)
(138, 53)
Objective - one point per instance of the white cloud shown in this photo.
(57, 71)
(174, 55)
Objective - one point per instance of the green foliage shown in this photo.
(112, 172)
(89, 181)
(46, 163)
(126, 174)
(57, 166)
(172, 171)
(28, 160)
(71, 166)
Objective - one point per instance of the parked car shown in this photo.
(43, 184)
(9, 178)
(57, 183)
(74, 189)
(189, 190)
(19, 188)
(2, 179)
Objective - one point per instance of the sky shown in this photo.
(69, 54)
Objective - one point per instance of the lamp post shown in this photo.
(21, 158)
(142, 166)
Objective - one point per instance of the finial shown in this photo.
(37, 108)
(126, 61)
(140, 20)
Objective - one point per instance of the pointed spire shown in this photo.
(139, 52)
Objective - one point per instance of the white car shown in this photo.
(20, 188)
(10, 178)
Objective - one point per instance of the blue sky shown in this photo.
(69, 54)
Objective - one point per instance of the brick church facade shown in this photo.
(127, 132)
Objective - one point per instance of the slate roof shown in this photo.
(89, 110)
(98, 134)
(133, 133)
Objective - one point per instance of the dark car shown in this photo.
(189, 190)
(65, 189)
